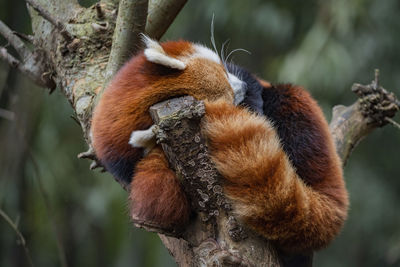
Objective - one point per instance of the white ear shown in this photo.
(156, 54)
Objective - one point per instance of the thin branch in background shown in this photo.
(374, 108)
(15, 41)
(60, 247)
(25, 37)
(19, 234)
(49, 17)
(161, 15)
(131, 22)
(6, 114)
(394, 123)
(12, 61)
(43, 194)
(25, 69)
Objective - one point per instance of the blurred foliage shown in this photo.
(325, 45)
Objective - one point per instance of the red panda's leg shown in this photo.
(156, 196)
(265, 191)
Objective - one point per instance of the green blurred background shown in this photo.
(325, 45)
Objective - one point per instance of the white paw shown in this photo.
(143, 138)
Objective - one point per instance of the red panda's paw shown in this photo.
(156, 196)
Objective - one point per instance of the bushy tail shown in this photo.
(156, 195)
(266, 193)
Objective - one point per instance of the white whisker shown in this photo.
(236, 50)
(212, 35)
(222, 54)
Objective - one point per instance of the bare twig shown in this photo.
(50, 18)
(12, 61)
(374, 108)
(393, 122)
(161, 15)
(31, 68)
(25, 37)
(20, 236)
(131, 22)
(47, 202)
(15, 41)
(60, 247)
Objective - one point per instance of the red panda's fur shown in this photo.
(300, 212)
(263, 186)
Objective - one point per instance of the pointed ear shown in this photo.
(156, 54)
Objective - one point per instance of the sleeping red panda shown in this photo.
(271, 144)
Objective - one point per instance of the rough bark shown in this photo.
(130, 24)
(161, 14)
(71, 50)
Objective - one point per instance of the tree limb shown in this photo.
(25, 37)
(374, 108)
(14, 40)
(131, 22)
(161, 15)
(51, 18)
(30, 68)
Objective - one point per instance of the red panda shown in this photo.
(271, 144)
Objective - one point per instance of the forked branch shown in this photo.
(50, 18)
(14, 40)
(30, 68)
(374, 108)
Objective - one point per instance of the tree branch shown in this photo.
(131, 22)
(14, 40)
(374, 108)
(25, 37)
(50, 18)
(161, 15)
(31, 68)
(20, 236)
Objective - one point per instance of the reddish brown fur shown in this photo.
(264, 188)
(177, 48)
(299, 213)
(263, 82)
(156, 195)
(124, 107)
